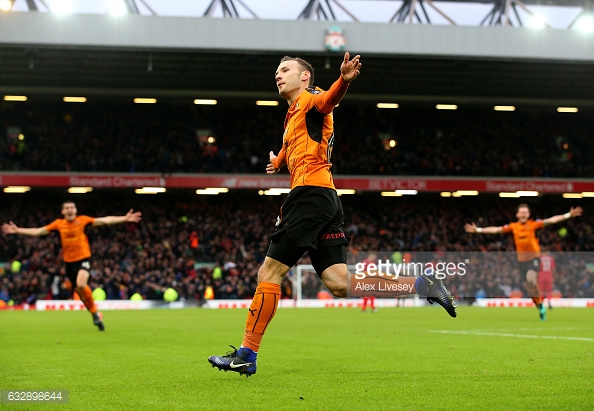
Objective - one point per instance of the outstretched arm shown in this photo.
(573, 212)
(130, 217)
(472, 228)
(11, 228)
(349, 70)
(276, 162)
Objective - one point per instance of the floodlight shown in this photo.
(5, 5)
(538, 21)
(117, 8)
(585, 24)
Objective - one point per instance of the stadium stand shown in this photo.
(172, 138)
(231, 235)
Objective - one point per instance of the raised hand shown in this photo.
(470, 228)
(133, 217)
(575, 211)
(350, 69)
(10, 228)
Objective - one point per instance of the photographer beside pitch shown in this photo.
(76, 251)
(311, 218)
(527, 246)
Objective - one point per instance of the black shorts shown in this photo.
(311, 219)
(525, 266)
(73, 268)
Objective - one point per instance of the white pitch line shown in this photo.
(550, 337)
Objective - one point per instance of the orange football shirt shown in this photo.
(75, 243)
(525, 239)
(309, 136)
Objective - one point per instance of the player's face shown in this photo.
(523, 215)
(289, 78)
(69, 211)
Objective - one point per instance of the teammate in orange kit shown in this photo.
(527, 247)
(75, 248)
(311, 218)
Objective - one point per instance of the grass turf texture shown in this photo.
(310, 359)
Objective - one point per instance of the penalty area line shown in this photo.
(550, 337)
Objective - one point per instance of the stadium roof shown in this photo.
(157, 56)
(464, 12)
(71, 71)
(564, 3)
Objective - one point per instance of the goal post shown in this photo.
(310, 291)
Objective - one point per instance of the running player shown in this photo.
(311, 218)
(527, 247)
(545, 275)
(75, 248)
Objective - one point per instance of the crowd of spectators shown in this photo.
(168, 138)
(195, 244)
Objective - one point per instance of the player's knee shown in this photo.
(531, 276)
(338, 290)
(272, 271)
(335, 280)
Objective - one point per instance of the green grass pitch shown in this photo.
(324, 359)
